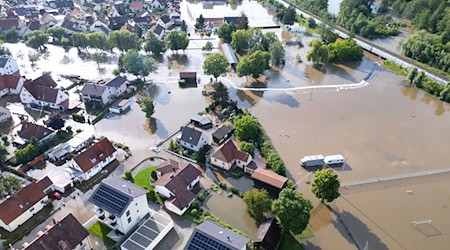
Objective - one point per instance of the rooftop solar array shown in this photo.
(202, 242)
(111, 200)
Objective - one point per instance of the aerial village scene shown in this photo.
(224, 124)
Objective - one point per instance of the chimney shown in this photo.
(54, 221)
(228, 238)
(129, 190)
(174, 169)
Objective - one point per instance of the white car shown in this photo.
(155, 149)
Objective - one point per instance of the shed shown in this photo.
(222, 134)
(120, 106)
(268, 235)
(272, 182)
(189, 77)
(229, 54)
(201, 121)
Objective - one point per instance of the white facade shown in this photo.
(135, 212)
(96, 27)
(5, 114)
(24, 216)
(10, 67)
(204, 140)
(104, 98)
(27, 98)
(94, 170)
(16, 91)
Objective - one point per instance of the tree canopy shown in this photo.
(176, 40)
(215, 64)
(225, 30)
(242, 22)
(56, 121)
(247, 128)
(98, 40)
(139, 65)
(9, 185)
(247, 147)
(124, 40)
(239, 40)
(153, 44)
(326, 185)
(318, 53)
(258, 203)
(36, 39)
(277, 54)
(57, 32)
(148, 106)
(220, 95)
(254, 64)
(80, 40)
(292, 210)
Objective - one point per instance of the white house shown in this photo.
(11, 84)
(107, 92)
(120, 204)
(65, 234)
(158, 4)
(8, 66)
(117, 85)
(193, 139)
(176, 183)
(165, 21)
(20, 207)
(42, 91)
(99, 26)
(228, 156)
(31, 130)
(91, 161)
(5, 114)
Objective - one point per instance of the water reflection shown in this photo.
(413, 92)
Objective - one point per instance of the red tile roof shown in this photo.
(9, 23)
(9, 81)
(23, 200)
(94, 154)
(188, 74)
(30, 130)
(136, 5)
(228, 152)
(269, 177)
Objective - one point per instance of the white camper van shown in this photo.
(312, 160)
(334, 159)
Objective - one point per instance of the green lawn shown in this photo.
(142, 178)
(101, 230)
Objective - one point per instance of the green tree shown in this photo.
(4, 51)
(3, 154)
(318, 53)
(412, 74)
(139, 65)
(56, 121)
(289, 16)
(293, 210)
(247, 128)
(418, 80)
(183, 40)
(254, 64)
(124, 40)
(201, 156)
(311, 23)
(225, 30)
(153, 44)
(215, 64)
(326, 185)
(99, 58)
(10, 36)
(247, 147)
(176, 40)
(98, 40)
(445, 93)
(27, 153)
(183, 26)
(242, 22)
(147, 105)
(80, 40)
(239, 40)
(37, 39)
(220, 95)
(208, 46)
(258, 203)
(327, 35)
(57, 32)
(277, 54)
(9, 185)
(200, 22)
(33, 57)
(344, 51)
(275, 163)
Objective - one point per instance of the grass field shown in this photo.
(101, 230)
(142, 179)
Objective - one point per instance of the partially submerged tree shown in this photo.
(147, 105)
(124, 40)
(318, 53)
(153, 44)
(215, 64)
(220, 95)
(37, 40)
(258, 203)
(139, 65)
(326, 185)
(254, 64)
(247, 128)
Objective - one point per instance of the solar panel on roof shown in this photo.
(110, 199)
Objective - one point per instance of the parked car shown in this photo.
(55, 195)
(155, 149)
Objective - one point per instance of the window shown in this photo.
(129, 220)
(31, 210)
(128, 213)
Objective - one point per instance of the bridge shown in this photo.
(372, 47)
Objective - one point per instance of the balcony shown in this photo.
(100, 211)
(102, 217)
(112, 218)
(113, 225)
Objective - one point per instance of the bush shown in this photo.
(78, 118)
(235, 190)
(194, 213)
(195, 205)
(128, 176)
(4, 138)
(247, 147)
(78, 130)
(223, 185)
(201, 197)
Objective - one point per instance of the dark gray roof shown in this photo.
(203, 120)
(157, 29)
(191, 135)
(115, 194)
(221, 132)
(165, 19)
(116, 82)
(229, 54)
(3, 61)
(93, 89)
(211, 236)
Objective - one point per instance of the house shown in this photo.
(42, 91)
(32, 25)
(121, 7)
(159, 4)
(175, 16)
(95, 93)
(165, 21)
(5, 114)
(65, 234)
(189, 77)
(9, 23)
(136, 7)
(272, 182)
(116, 22)
(201, 121)
(222, 134)
(70, 26)
(99, 26)
(119, 204)
(48, 19)
(158, 30)
(23, 205)
(8, 66)
(91, 161)
(193, 139)
(252, 166)
(229, 54)
(210, 235)
(228, 156)
(60, 4)
(31, 130)
(268, 235)
(11, 84)
(120, 106)
(75, 144)
(176, 182)
(132, 27)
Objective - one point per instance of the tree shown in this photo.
(56, 121)
(3, 154)
(247, 147)
(327, 35)
(239, 40)
(418, 80)
(57, 32)
(33, 57)
(292, 210)
(275, 163)
(128, 176)
(27, 153)
(201, 156)
(10, 36)
(4, 51)
(254, 64)
(258, 203)
(311, 23)
(37, 39)
(183, 40)
(183, 26)
(247, 128)
(147, 105)
(215, 64)
(139, 65)
(242, 22)
(9, 185)
(225, 30)
(200, 22)
(176, 40)
(412, 74)
(326, 185)
(98, 40)
(80, 40)
(277, 54)
(208, 46)
(289, 16)
(344, 51)
(220, 94)
(153, 44)
(124, 40)
(318, 53)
